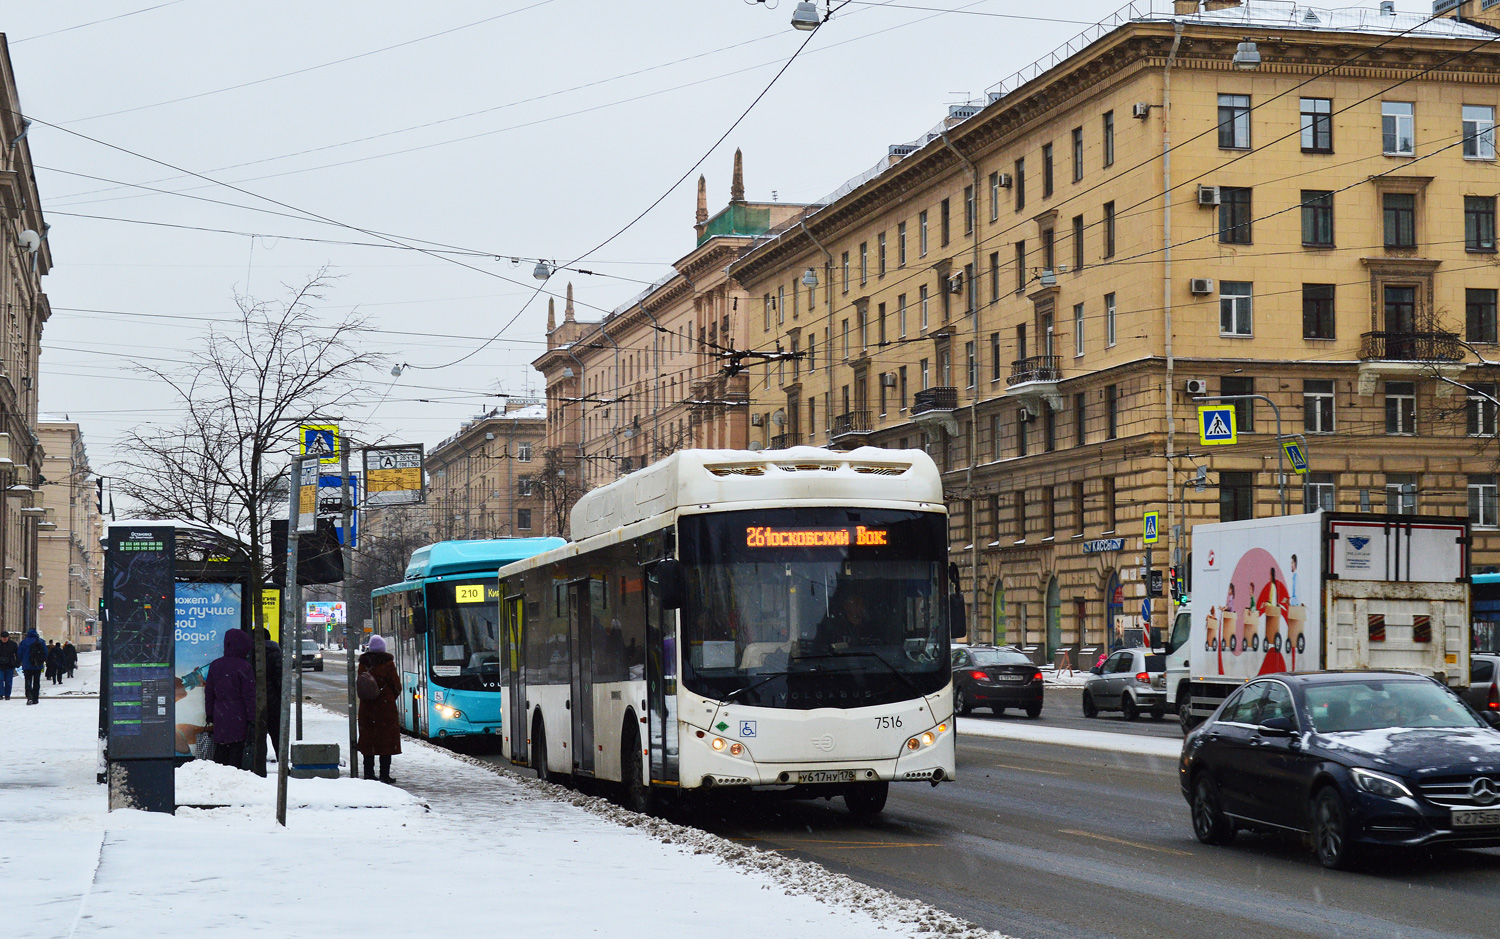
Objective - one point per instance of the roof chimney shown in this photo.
(1185, 7)
(1211, 5)
(737, 184)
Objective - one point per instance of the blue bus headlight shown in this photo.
(452, 714)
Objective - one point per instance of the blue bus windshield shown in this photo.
(464, 632)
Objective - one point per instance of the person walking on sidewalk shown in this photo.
(378, 684)
(10, 660)
(33, 655)
(70, 657)
(54, 662)
(229, 699)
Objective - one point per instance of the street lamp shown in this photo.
(805, 17)
(543, 270)
(1247, 57)
(810, 279)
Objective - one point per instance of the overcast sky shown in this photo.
(529, 128)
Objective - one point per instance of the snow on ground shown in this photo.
(1088, 739)
(1071, 678)
(460, 849)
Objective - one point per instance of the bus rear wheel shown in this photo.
(866, 800)
(636, 790)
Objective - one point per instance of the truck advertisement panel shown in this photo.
(1257, 597)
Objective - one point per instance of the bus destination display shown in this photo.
(757, 536)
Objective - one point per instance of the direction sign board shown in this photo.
(394, 475)
(320, 440)
(1216, 425)
(1150, 533)
(1296, 455)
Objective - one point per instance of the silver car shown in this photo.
(1131, 681)
(1483, 693)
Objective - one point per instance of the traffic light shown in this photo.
(1172, 584)
(1153, 584)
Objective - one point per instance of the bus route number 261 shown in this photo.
(882, 723)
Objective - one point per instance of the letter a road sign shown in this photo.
(1149, 531)
(1296, 455)
(1216, 425)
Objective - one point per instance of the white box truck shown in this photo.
(1324, 590)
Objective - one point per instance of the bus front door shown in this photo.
(512, 653)
(661, 683)
(580, 637)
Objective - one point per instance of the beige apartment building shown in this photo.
(650, 377)
(24, 257)
(1234, 199)
(70, 558)
(482, 482)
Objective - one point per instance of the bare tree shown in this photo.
(385, 547)
(560, 483)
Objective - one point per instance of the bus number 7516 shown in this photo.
(884, 722)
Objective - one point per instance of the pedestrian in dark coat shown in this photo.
(55, 662)
(379, 723)
(273, 693)
(33, 653)
(10, 660)
(70, 657)
(229, 699)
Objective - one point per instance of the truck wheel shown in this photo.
(1185, 715)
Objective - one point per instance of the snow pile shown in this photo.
(209, 784)
(1075, 678)
(1088, 739)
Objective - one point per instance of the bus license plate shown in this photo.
(1476, 818)
(826, 776)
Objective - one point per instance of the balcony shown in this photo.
(850, 429)
(782, 441)
(934, 407)
(1409, 355)
(1034, 380)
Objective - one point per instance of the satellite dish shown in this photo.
(30, 241)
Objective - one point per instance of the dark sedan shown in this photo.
(995, 677)
(1350, 760)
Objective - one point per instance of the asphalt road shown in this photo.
(1041, 840)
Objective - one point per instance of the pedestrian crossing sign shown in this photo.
(1216, 425)
(1296, 455)
(1150, 530)
(321, 440)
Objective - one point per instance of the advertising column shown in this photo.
(140, 697)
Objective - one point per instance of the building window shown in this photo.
(1078, 242)
(1244, 408)
(1109, 139)
(812, 353)
(926, 374)
(1479, 132)
(780, 305)
(864, 262)
(971, 357)
(1401, 493)
(1317, 125)
(1049, 250)
(1236, 496)
(1234, 215)
(1317, 218)
(922, 234)
(1020, 183)
(1077, 154)
(901, 315)
(523, 451)
(1023, 421)
(994, 196)
(922, 301)
(971, 289)
(944, 225)
(1049, 429)
(864, 327)
(1235, 308)
(1317, 311)
(901, 244)
(1080, 418)
(766, 300)
(1234, 122)
(844, 268)
(1319, 492)
(1317, 406)
(1109, 320)
(994, 357)
(1018, 499)
(1111, 411)
(846, 339)
(1398, 128)
(1480, 407)
(1400, 219)
(525, 486)
(1400, 319)
(1021, 267)
(523, 519)
(1109, 229)
(880, 254)
(1046, 170)
(969, 213)
(1479, 223)
(1077, 329)
(994, 276)
(1109, 503)
(901, 388)
(1400, 407)
(1483, 501)
(1479, 314)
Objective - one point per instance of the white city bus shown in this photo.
(731, 618)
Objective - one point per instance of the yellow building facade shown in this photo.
(1226, 200)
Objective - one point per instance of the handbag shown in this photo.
(203, 746)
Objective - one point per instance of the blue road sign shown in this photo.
(330, 503)
(1216, 425)
(1150, 533)
(1296, 455)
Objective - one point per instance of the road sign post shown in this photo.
(1233, 432)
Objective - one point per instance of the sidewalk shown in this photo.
(458, 850)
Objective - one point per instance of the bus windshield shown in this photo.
(463, 632)
(807, 608)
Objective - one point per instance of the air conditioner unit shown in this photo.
(756, 420)
(956, 283)
(1196, 386)
(888, 379)
(1208, 195)
(1140, 110)
(1201, 285)
(1006, 181)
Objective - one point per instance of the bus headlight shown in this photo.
(718, 743)
(735, 749)
(450, 713)
(926, 738)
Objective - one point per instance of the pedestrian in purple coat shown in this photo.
(229, 699)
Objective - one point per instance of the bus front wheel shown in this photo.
(636, 790)
(865, 800)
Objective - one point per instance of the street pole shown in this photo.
(298, 647)
(289, 619)
(347, 548)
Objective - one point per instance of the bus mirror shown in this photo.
(672, 581)
(958, 617)
(418, 616)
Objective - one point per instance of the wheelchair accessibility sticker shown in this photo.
(747, 728)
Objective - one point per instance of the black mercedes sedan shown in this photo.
(1349, 760)
(995, 677)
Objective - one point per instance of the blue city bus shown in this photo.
(1485, 603)
(442, 624)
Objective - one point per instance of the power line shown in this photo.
(107, 19)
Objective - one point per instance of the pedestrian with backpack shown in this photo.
(33, 655)
(378, 684)
(10, 660)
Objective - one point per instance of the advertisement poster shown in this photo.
(325, 612)
(205, 612)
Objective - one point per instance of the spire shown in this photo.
(702, 215)
(737, 184)
(551, 314)
(568, 307)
